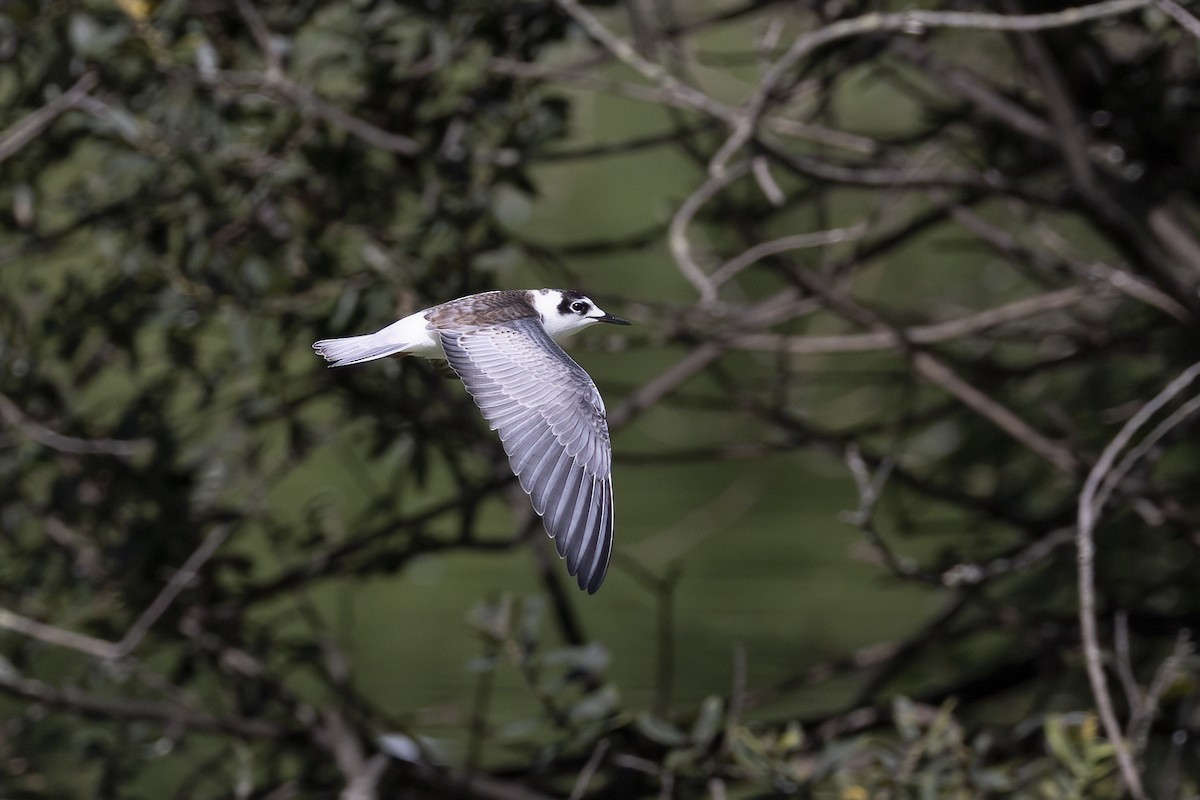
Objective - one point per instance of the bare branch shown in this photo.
(1091, 502)
(28, 128)
(761, 169)
(178, 582)
(104, 708)
(373, 135)
(361, 774)
(262, 37)
(938, 373)
(969, 574)
(110, 651)
(870, 485)
(681, 248)
(918, 334)
(589, 770)
(311, 103)
(801, 241)
(1178, 13)
(581, 76)
(913, 21)
(1168, 672)
(670, 379)
(1121, 280)
(628, 55)
(123, 448)
(56, 636)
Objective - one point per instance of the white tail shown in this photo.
(356, 349)
(410, 335)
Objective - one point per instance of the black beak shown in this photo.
(612, 320)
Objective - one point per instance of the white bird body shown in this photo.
(414, 336)
(547, 410)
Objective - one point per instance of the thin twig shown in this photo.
(972, 573)
(178, 582)
(870, 485)
(275, 78)
(361, 774)
(935, 371)
(1164, 678)
(11, 414)
(650, 393)
(1180, 15)
(579, 76)
(59, 637)
(681, 247)
(870, 489)
(1089, 508)
(589, 770)
(104, 708)
(1005, 242)
(29, 127)
(918, 334)
(113, 651)
(1137, 453)
(761, 169)
(626, 54)
(309, 101)
(1123, 664)
(801, 241)
(912, 21)
(262, 37)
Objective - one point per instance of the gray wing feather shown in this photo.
(551, 420)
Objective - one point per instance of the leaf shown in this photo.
(415, 749)
(596, 705)
(8, 671)
(708, 721)
(659, 730)
(906, 717)
(792, 738)
(1058, 741)
(91, 39)
(483, 664)
(748, 751)
(532, 610)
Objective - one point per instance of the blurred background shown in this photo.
(904, 471)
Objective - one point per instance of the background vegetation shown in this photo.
(905, 469)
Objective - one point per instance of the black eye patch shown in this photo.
(570, 301)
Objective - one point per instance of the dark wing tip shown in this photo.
(597, 552)
(593, 584)
(589, 583)
(589, 579)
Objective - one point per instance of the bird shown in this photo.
(503, 345)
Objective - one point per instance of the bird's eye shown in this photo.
(579, 307)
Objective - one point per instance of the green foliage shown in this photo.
(1088, 760)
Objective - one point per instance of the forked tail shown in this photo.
(356, 349)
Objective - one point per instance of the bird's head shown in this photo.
(565, 312)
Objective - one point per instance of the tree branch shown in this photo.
(1091, 503)
(28, 128)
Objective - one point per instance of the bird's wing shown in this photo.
(550, 418)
